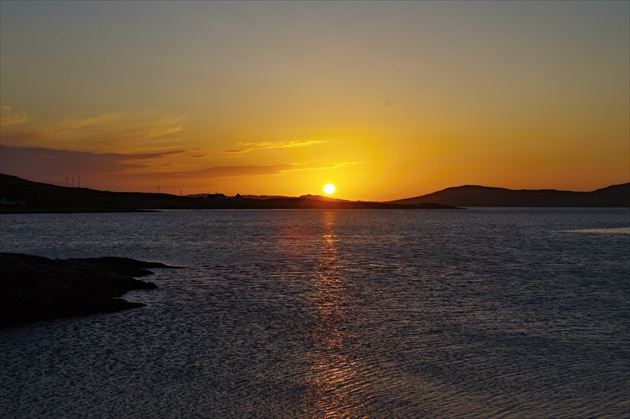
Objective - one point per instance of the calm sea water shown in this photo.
(331, 314)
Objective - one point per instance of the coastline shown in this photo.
(20, 196)
(36, 288)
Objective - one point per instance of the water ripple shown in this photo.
(335, 314)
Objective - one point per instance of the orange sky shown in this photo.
(385, 100)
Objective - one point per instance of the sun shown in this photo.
(329, 188)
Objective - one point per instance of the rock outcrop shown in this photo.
(34, 288)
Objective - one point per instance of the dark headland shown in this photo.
(483, 196)
(24, 196)
(34, 288)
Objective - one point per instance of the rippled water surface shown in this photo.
(418, 313)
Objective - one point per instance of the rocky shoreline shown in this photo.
(36, 288)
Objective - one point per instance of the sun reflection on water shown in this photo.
(334, 377)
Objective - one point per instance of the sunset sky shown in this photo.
(384, 100)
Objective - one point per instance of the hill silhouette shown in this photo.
(24, 196)
(41, 197)
(483, 196)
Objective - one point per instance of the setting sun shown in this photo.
(329, 188)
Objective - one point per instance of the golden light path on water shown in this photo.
(335, 314)
(334, 374)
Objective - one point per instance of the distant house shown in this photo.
(238, 197)
(10, 202)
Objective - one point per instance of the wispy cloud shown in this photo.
(229, 171)
(10, 117)
(260, 170)
(253, 170)
(337, 165)
(75, 126)
(245, 147)
(49, 165)
(101, 133)
(38, 163)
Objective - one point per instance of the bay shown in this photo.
(346, 313)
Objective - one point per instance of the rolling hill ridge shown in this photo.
(483, 196)
(22, 196)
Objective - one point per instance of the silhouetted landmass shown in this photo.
(482, 196)
(262, 197)
(34, 288)
(311, 203)
(26, 196)
(23, 196)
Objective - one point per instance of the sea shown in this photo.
(472, 313)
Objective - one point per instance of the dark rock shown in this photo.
(123, 266)
(35, 288)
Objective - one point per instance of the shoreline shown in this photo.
(36, 288)
(249, 204)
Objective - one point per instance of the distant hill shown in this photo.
(23, 196)
(42, 197)
(325, 198)
(482, 196)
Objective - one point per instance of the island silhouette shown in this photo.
(18, 195)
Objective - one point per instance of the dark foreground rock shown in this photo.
(34, 288)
